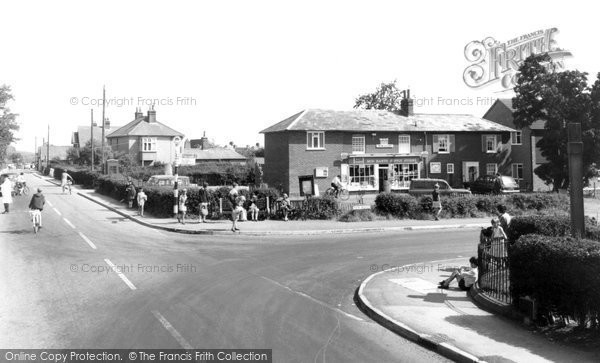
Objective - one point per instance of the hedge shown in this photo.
(407, 206)
(548, 225)
(561, 273)
(86, 178)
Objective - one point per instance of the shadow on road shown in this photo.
(22, 231)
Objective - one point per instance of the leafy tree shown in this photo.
(8, 121)
(16, 158)
(558, 98)
(386, 97)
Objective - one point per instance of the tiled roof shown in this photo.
(82, 135)
(535, 125)
(381, 120)
(141, 127)
(507, 102)
(216, 153)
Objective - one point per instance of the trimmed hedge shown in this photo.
(548, 225)
(561, 273)
(407, 206)
(86, 178)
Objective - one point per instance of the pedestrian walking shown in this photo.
(6, 189)
(203, 198)
(141, 201)
(237, 212)
(437, 202)
(130, 191)
(233, 194)
(182, 207)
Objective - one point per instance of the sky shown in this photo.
(233, 68)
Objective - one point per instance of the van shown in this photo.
(420, 187)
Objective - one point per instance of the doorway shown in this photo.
(383, 178)
(470, 171)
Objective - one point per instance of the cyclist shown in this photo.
(20, 183)
(64, 182)
(336, 183)
(37, 203)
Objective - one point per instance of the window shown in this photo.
(517, 171)
(384, 141)
(490, 143)
(404, 144)
(363, 175)
(443, 144)
(148, 143)
(402, 174)
(358, 144)
(515, 138)
(450, 168)
(315, 140)
(491, 169)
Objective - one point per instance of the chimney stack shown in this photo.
(138, 113)
(151, 115)
(406, 104)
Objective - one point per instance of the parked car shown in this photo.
(419, 187)
(169, 180)
(494, 184)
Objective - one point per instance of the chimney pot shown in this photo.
(406, 104)
(151, 115)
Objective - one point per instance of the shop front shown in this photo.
(380, 172)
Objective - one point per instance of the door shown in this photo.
(383, 178)
(470, 171)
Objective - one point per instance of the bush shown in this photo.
(319, 208)
(460, 206)
(561, 273)
(548, 225)
(361, 215)
(538, 201)
(397, 205)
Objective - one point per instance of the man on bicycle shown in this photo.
(336, 183)
(64, 180)
(37, 203)
(20, 183)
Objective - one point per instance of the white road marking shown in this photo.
(123, 277)
(87, 240)
(313, 299)
(416, 284)
(181, 340)
(69, 223)
(50, 204)
(57, 212)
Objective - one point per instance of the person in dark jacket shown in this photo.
(130, 194)
(38, 200)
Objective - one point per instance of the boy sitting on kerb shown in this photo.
(466, 276)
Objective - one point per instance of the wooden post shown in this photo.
(575, 153)
(220, 205)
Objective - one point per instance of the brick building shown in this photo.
(375, 150)
(524, 155)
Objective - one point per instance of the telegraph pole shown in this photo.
(575, 152)
(48, 148)
(92, 138)
(35, 158)
(103, 119)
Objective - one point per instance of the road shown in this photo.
(290, 294)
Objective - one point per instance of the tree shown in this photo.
(16, 158)
(386, 97)
(8, 121)
(543, 93)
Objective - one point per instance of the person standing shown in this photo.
(436, 201)
(38, 200)
(505, 218)
(237, 211)
(203, 198)
(182, 206)
(130, 190)
(6, 189)
(141, 201)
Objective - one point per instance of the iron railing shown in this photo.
(494, 277)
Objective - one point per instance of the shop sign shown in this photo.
(384, 160)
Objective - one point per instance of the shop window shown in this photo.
(315, 140)
(362, 175)
(402, 174)
(404, 144)
(491, 169)
(358, 144)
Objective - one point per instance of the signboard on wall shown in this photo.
(321, 172)
(435, 168)
(384, 160)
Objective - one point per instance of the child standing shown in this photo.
(182, 206)
(141, 200)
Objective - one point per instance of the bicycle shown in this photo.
(36, 219)
(67, 186)
(342, 194)
(20, 190)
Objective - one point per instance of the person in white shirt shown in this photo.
(336, 183)
(466, 276)
(20, 183)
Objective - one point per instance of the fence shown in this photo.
(493, 268)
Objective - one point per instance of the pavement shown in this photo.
(278, 227)
(406, 300)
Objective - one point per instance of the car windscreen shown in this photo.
(509, 182)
